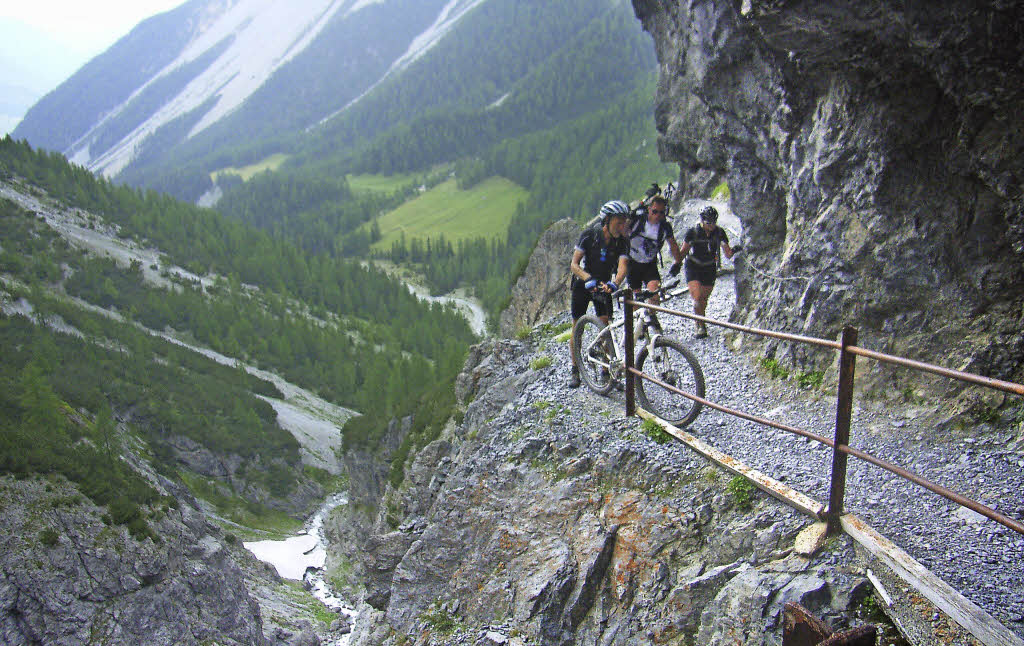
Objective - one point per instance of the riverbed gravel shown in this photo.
(977, 556)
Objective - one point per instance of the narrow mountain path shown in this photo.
(978, 557)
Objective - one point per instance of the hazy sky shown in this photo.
(87, 27)
(43, 42)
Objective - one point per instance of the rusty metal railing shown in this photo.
(848, 353)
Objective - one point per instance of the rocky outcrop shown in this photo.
(542, 290)
(363, 544)
(544, 518)
(874, 156)
(235, 475)
(69, 577)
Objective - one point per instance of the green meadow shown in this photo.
(484, 210)
(380, 183)
(247, 172)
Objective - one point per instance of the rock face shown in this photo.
(874, 156)
(546, 517)
(543, 289)
(68, 578)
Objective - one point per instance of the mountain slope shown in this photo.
(219, 84)
(188, 68)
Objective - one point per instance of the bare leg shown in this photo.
(700, 294)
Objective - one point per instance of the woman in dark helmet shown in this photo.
(701, 246)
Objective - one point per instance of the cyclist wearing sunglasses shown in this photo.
(648, 232)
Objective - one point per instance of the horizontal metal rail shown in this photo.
(998, 384)
(941, 490)
(936, 488)
(824, 343)
(738, 413)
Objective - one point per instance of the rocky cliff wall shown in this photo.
(547, 518)
(69, 577)
(543, 289)
(874, 154)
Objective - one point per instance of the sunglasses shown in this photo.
(658, 211)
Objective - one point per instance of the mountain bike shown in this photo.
(599, 352)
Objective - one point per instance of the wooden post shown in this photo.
(627, 311)
(844, 407)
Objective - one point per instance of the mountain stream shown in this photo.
(302, 558)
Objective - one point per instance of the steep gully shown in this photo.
(314, 422)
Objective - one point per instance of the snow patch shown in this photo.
(360, 4)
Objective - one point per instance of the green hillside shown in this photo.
(309, 318)
(374, 183)
(485, 210)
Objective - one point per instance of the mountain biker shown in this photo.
(648, 232)
(704, 241)
(670, 191)
(601, 249)
(641, 209)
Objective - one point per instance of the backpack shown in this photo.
(637, 221)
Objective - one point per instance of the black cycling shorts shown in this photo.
(641, 273)
(703, 274)
(580, 297)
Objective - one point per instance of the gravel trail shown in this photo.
(977, 556)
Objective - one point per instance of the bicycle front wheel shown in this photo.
(675, 365)
(591, 341)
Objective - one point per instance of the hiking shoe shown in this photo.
(702, 332)
(574, 379)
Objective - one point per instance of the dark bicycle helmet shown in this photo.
(709, 214)
(613, 208)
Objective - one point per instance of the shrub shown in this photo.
(774, 368)
(654, 431)
(49, 537)
(811, 380)
(440, 619)
(721, 192)
(541, 362)
(742, 491)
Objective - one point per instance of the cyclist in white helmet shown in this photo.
(601, 250)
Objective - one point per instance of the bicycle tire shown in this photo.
(588, 333)
(677, 367)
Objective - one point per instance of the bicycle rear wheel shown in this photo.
(674, 364)
(591, 340)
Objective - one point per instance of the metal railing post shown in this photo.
(627, 312)
(844, 407)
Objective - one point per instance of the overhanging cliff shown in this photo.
(874, 154)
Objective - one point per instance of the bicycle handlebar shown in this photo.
(644, 294)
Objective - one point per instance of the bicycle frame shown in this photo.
(599, 350)
(617, 363)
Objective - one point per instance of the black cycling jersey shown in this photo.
(600, 259)
(703, 246)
